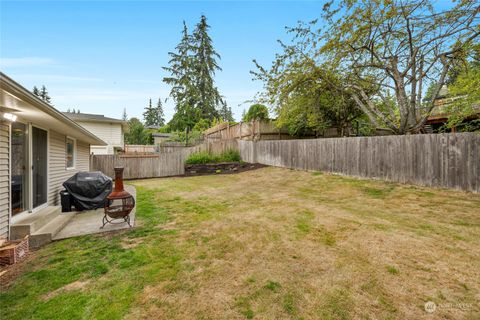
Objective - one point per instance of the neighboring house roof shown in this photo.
(153, 127)
(19, 100)
(88, 117)
(161, 135)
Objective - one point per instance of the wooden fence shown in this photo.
(139, 149)
(254, 130)
(163, 164)
(438, 160)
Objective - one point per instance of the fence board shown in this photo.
(437, 160)
(165, 164)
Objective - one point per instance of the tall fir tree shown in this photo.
(154, 116)
(160, 115)
(36, 91)
(192, 68)
(124, 115)
(225, 112)
(183, 90)
(148, 115)
(205, 65)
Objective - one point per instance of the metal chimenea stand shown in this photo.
(119, 202)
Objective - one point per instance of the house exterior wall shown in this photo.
(4, 178)
(57, 168)
(159, 140)
(111, 133)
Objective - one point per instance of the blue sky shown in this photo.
(102, 56)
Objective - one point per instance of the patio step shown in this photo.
(46, 234)
(33, 222)
(41, 225)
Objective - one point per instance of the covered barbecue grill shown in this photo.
(89, 190)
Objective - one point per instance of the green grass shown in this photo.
(204, 157)
(265, 244)
(272, 285)
(392, 270)
(116, 275)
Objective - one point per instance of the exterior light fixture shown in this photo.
(10, 116)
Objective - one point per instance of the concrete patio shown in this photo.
(89, 222)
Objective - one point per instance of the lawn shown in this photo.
(265, 244)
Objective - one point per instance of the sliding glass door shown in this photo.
(19, 168)
(39, 166)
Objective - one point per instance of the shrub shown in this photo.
(181, 136)
(203, 157)
(230, 155)
(200, 158)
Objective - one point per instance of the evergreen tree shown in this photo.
(124, 115)
(160, 114)
(192, 68)
(225, 112)
(43, 94)
(183, 90)
(153, 116)
(205, 66)
(149, 115)
(36, 91)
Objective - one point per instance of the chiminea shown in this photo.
(119, 202)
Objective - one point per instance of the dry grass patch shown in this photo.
(76, 285)
(277, 243)
(271, 244)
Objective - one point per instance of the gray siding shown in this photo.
(57, 171)
(4, 178)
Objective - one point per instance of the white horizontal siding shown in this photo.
(111, 133)
(4, 178)
(57, 167)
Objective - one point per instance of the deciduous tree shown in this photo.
(136, 132)
(395, 46)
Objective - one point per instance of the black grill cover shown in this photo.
(89, 190)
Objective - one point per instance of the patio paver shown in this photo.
(89, 222)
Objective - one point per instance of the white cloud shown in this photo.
(25, 62)
(54, 77)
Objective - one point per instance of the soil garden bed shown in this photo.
(220, 168)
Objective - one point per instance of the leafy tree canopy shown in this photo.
(464, 91)
(256, 112)
(136, 132)
(375, 55)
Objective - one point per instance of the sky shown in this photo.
(103, 56)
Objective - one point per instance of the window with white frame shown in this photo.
(70, 154)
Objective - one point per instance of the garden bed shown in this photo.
(200, 169)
